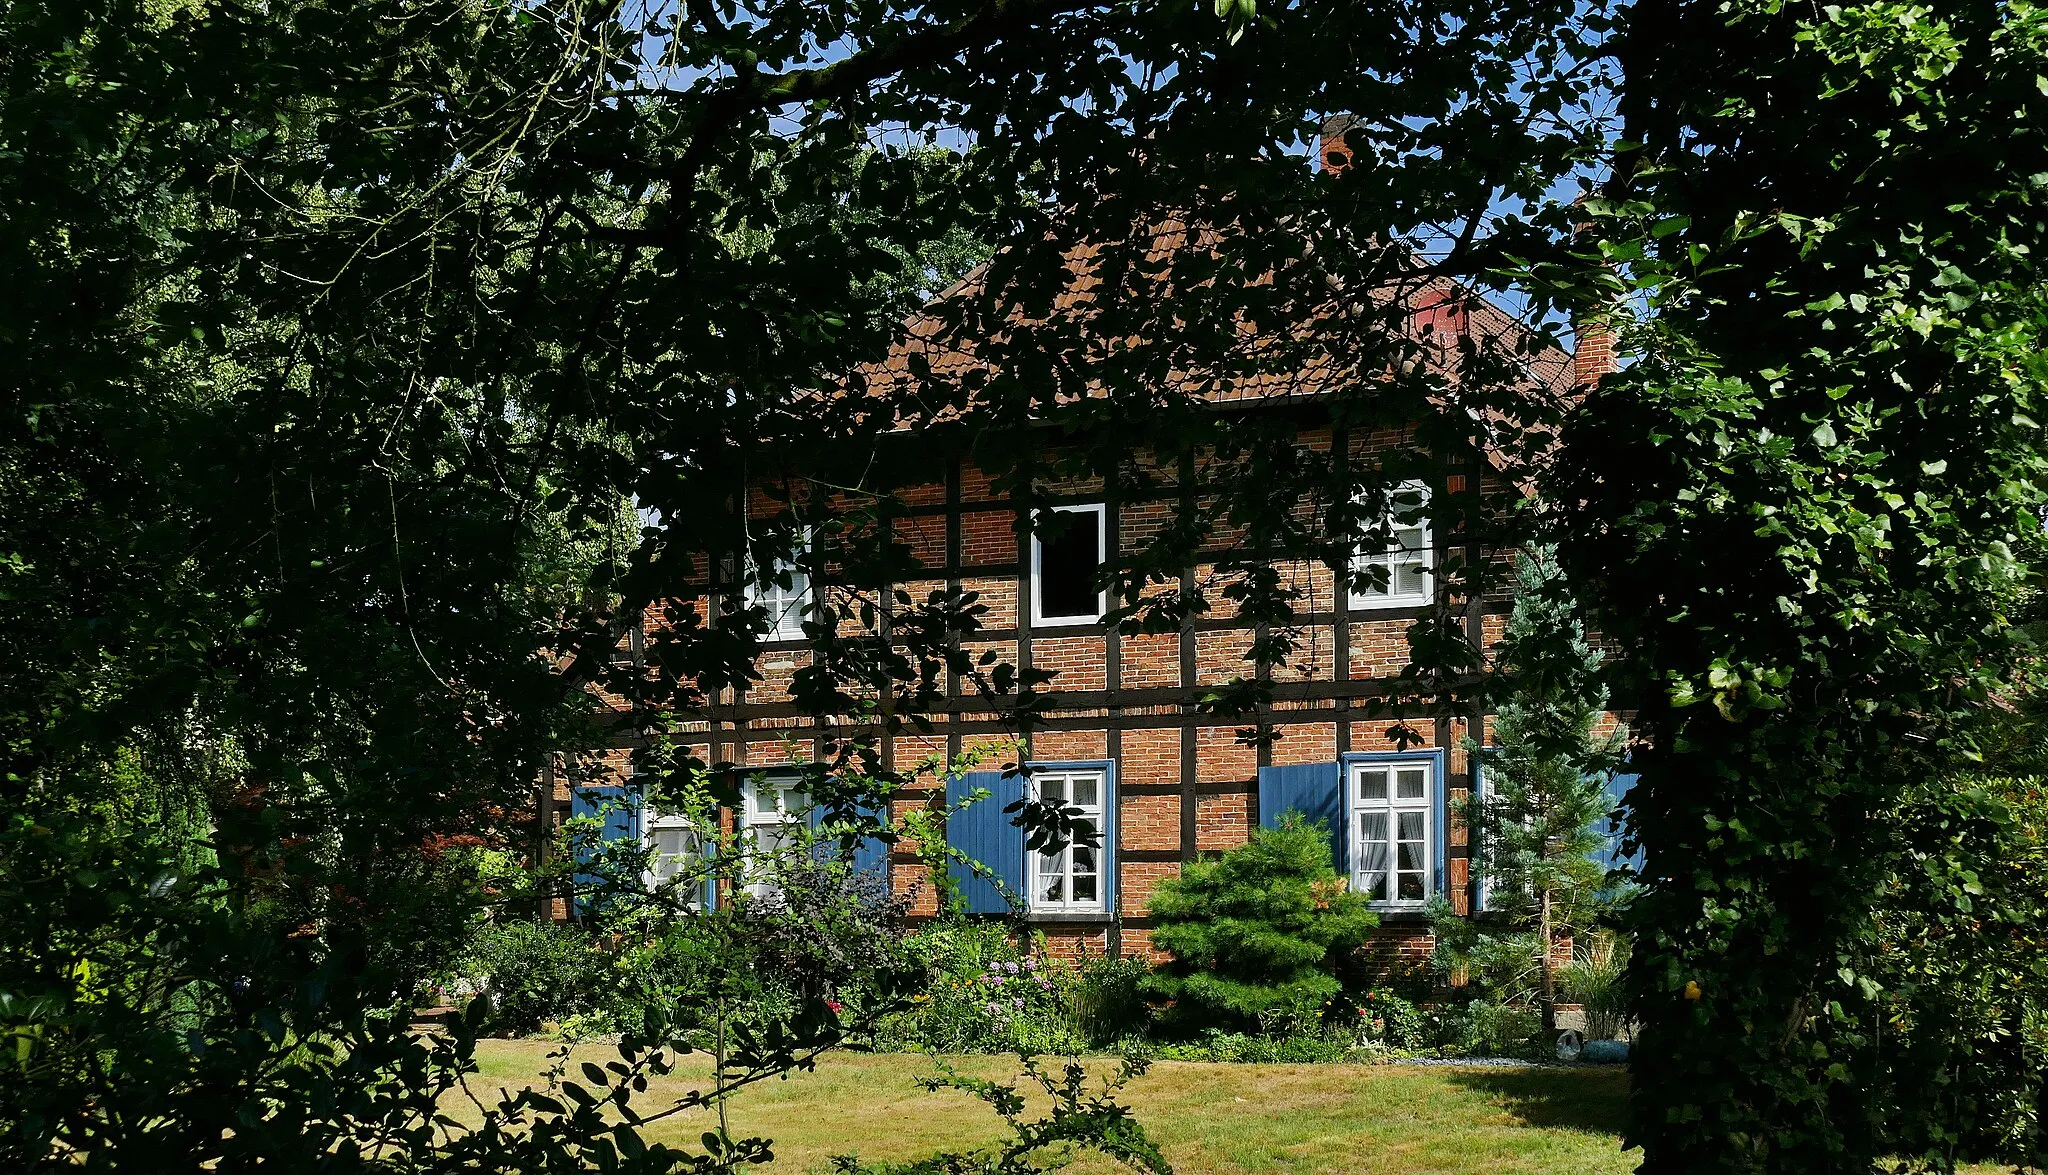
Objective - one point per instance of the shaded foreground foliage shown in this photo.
(374, 367)
(1806, 516)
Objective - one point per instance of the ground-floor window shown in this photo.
(675, 850)
(772, 812)
(1390, 808)
(1069, 879)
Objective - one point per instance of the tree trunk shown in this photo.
(1547, 1000)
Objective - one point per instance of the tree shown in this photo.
(1803, 516)
(1258, 933)
(1546, 777)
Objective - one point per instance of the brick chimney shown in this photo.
(1592, 352)
(1331, 149)
(1592, 337)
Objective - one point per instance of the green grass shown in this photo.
(1207, 1118)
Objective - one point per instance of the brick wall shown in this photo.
(1187, 785)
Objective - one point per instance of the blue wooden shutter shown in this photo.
(621, 822)
(1311, 789)
(1112, 860)
(1610, 827)
(712, 822)
(985, 833)
(1481, 891)
(870, 854)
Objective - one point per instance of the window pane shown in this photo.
(1053, 888)
(1409, 580)
(1369, 567)
(1067, 564)
(1372, 785)
(1410, 538)
(670, 846)
(1409, 783)
(1411, 826)
(1084, 888)
(1084, 859)
(795, 801)
(1411, 887)
(1085, 792)
(1052, 790)
(1373, 853)
(1372, 869)
(1372, 829)
(1410, 856)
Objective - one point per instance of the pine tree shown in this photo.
(1545, 779)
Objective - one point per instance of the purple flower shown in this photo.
(1031, 964)
(992, 1009)
(1017, 1004)
(994, 968)
(1009, 968)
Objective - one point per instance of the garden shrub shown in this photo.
(826, 936)
(1593, 981)
(1257, 933)
(985, 996)
(1497, 1030)
(533, 972)
(1109, 999)
(1391, 1020)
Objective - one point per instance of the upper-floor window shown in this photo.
(1069, 879)
(771, 815)
(1065, 566)
(782, 593)
(1391, 804)
(1397, 574)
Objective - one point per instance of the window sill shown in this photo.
(1070, 917)
(1384, 604)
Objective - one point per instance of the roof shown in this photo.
(951, 357)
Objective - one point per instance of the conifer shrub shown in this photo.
(1258, 934)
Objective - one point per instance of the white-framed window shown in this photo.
(675, 849)
(771, 813)
(1392, 804)
(782, 593)
(1408, 557)
(1064, 566)
(1071, 880)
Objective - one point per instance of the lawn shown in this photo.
(1207, 1118)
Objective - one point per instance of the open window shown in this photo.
(1398, 573)
(1066, 561)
